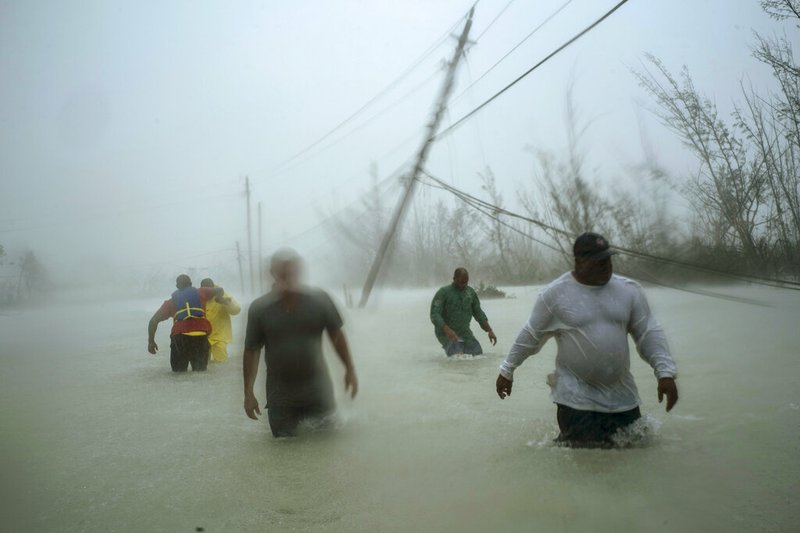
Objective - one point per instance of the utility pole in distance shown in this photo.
(422, 156)
(249, 235)
(239, 260)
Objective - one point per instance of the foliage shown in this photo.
(22, 278)
(746, 194)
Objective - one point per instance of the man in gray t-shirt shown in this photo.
(288, 323)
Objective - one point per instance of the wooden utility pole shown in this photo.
(249, 235)
(422, 155)
(239, 259)
(260, 260)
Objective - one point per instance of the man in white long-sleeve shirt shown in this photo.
(590, 312)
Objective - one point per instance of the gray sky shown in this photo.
(127, 127)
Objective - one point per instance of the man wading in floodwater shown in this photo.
(288, 323)
(190, 327)
(590, 312)
(452, 309)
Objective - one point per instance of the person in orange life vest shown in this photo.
(219, 311)
(190, 327)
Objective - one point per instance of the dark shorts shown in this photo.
(471, 347)
(590, 429)
(287, 421)
(185, 350)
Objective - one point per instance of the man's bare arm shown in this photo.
(249, 372)
(343, 351)
(152, 326)
(488, 329)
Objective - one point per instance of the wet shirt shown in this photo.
(297, 375)
(455, 308)
(591, 326)
(190, 326)
(219, 314)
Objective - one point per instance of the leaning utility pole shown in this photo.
(422, 155)
(249, 235)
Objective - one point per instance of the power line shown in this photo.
(300, 159)
(481, 34)
(476, 206)
(177, 261)
(438, 42)
(650, 278)
(529, 71)
(340, 186)
(531, 34)
(380, 184)
(495, 208)
(750, 278)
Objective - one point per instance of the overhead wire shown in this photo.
(478, 137)
(500, 14)
(315, 250)
(465, 198)
(178, 260)
(438, 42)
(380, 184)
(649, 277)
(519, 78)
(360, 126)
(389, 107)
(503, 58)
(750, 278)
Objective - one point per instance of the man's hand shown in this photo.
(351, 382)
(503, 386)
(667, 387)
(492, 337)
(251, 406)
(152, 347)
(450, 333)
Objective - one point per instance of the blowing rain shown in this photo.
(400, 266)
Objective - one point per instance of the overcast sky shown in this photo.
(126, 128)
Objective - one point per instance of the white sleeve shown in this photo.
(530, 340)
(651, 343)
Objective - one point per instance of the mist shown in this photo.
(144, 141)
(121, 118)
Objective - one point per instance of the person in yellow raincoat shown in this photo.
(219, 311)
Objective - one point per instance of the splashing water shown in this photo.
(641, 434)
(465, 357)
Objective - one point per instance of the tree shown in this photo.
(746, 193)
(781, 9)
(32, 274)
(494, 228)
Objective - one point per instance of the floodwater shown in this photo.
(97, 435)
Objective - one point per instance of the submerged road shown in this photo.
(97, 435)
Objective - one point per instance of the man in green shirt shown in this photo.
(451, 311)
